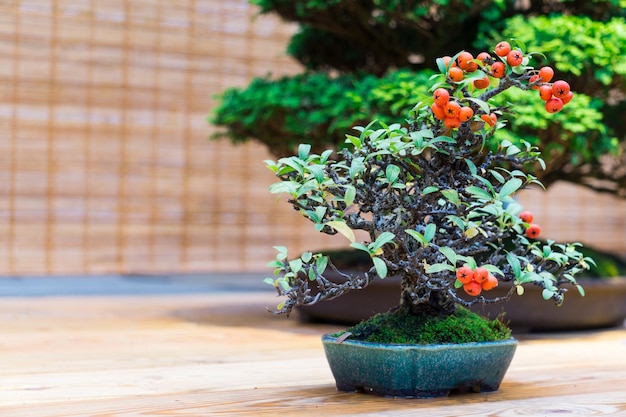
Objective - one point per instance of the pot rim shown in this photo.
(328, 338)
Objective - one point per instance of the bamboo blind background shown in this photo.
(105, 165)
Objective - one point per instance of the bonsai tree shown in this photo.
(370, 59)
(437, 205)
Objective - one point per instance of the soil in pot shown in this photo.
(398, 326)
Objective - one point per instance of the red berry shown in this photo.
(536, 81)
(452, 109)
(482, 83)
(466, 113)
(490, 119)
(533, 231)
(554, 105)
(480, 275)
(452, 122)
(560, 88)
(465, 61)
(456, 74)
(490, 283)
(567, 98)
(446, 60)
(546, 74)
(545, 92)
(526, 216)
(515, 57)
(498, 69)
(472, 288)
(438, 111)
(485, 58)
(465, 274)
(503, 48)
(441, 96)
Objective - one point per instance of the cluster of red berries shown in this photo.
(475, 280)
(556, 95)
(450, 111)
(446, 109)
(533, 230)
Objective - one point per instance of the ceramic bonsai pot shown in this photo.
(604, 305)
(418, 370)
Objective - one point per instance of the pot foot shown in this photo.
(394, 393)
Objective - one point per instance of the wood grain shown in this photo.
(221, 354)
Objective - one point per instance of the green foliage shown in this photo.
(579, 133)
(377, 35)
(378, 46)
(399, 326)
(314, 107)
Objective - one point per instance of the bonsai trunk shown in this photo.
(432, 303)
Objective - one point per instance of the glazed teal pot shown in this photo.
(418, 370)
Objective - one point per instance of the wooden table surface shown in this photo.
(218, 353)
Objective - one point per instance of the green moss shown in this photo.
(400, 326)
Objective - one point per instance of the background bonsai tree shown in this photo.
(369, 59)
(436, 204)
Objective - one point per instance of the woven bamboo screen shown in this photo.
(105, 165)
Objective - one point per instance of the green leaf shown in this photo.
(547, 294)
(356, 142)
(512, 150)
(343, 228)
(380, 266)
(479, 192)
(515, 264)
(294, 163)
(325, 155)
(289, 187)
(430, 231)
(458, 222)
(470, 261)
(482, 105)
(281, 249)
(493, 269)
(349, 195)
(432, 269)
(306, 257)
(441, 66)
(449, 253)
(303, 150)
(360, 246)
(417, 236)
(581, 290)
(269, 281)
(321, 263)
(392, 172)
(318, 172)
(452, 196)
(429, 190)
(499, 177)
(510, 187)
(295, 265)
(356, 167)
(382, 239)
(471, 166)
